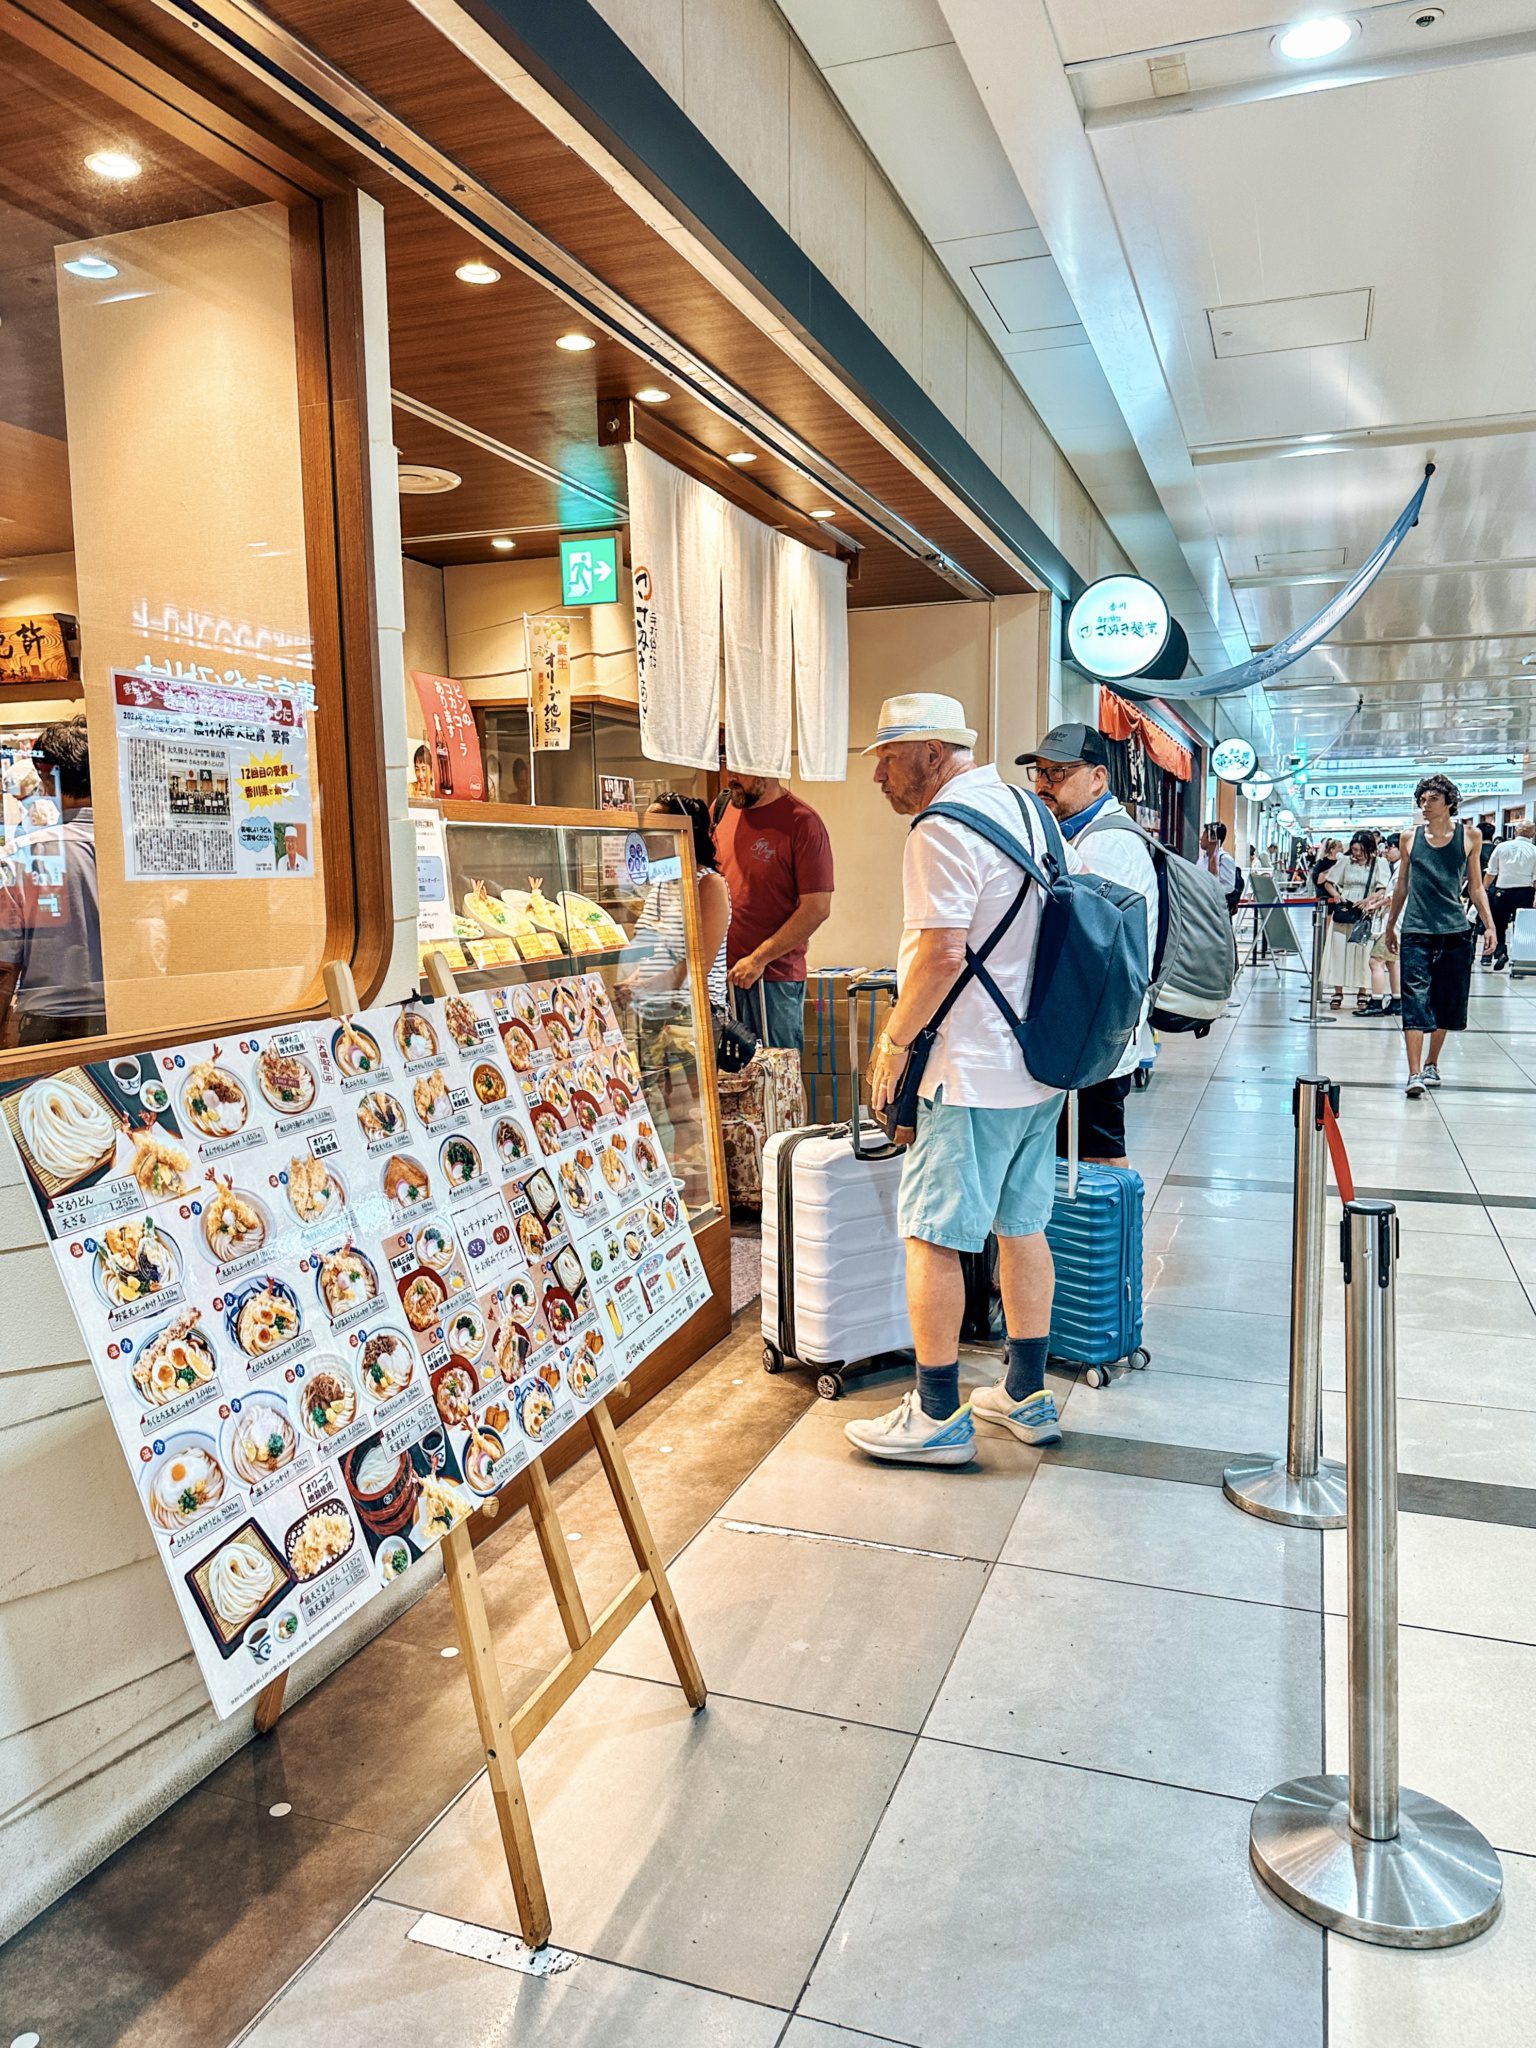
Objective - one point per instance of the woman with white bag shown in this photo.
(1356, 891)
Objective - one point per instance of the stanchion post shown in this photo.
(1361, 1854)
(1302, 1489)
(1319, 943)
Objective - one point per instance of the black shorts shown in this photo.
(1100, 1121)
(1437, 979)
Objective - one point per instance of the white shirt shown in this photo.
(1513, 865)
(1123, 857)
(952, 880)
(1225, 869)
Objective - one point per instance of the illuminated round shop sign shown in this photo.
(1234, 761)
(1118, 627)
(1257, 789)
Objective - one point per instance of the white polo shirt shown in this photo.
(952, 880)
(1513, 865)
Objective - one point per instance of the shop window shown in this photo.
(171, 853)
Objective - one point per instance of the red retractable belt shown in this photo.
(1336, 1152)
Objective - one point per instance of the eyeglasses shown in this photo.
(1051, 772)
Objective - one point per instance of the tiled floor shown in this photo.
(981, 1745)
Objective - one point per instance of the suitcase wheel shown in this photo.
(1142, 1076)
(1139, 1359)
(829, 1385)
(1098, 1376)
(772, 1358)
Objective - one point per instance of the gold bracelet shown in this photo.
(887, 1047)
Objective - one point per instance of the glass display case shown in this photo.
(535, 895)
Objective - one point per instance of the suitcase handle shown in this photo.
(882, 981)
(1071, 1144)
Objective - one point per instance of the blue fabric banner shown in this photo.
(1258, 668)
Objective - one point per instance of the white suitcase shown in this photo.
(1522, 944)
(834, 1280)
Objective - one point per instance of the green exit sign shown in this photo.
(589, 569)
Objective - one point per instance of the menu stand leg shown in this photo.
(647, 1555)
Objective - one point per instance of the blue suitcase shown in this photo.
(1095, 1238)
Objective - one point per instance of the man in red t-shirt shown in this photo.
(777, 860)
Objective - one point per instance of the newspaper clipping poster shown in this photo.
(214, 781)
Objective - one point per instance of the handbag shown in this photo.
(1346, 914)
(735, 1042)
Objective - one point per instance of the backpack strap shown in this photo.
(996, 836)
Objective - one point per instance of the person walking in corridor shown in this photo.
(777, 862)
(1428, 919)
(984, 1156)
(1511, 880)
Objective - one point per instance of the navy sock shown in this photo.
(938, 1390)
(1026, 1367)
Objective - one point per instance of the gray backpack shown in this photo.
(1194, 961)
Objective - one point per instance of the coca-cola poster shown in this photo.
(451, 742)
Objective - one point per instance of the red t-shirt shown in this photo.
(771, 855)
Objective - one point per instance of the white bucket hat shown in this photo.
(922, 715)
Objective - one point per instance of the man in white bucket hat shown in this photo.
(983, 1157)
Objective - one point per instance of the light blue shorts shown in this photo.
(969, 1171)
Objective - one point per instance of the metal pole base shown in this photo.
(1435, 1883)
(1263, 1487)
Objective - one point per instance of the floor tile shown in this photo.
(1215, 1695)
(374, 1985)
(675, 1843)
(1482, 1993)
(1214, 1280)
(1443, 1364)
(830, 1628)
(1449, 1440)
(1154, 1532)
(1143, 1923)
(1468, 1726)
(817, 1480)
(817, 2034)
(1186, 1408)
(186, 1933)
(1266, 1242)
(1469, 1578)
(1213, 1345)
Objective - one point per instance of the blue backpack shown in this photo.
(1091, 970)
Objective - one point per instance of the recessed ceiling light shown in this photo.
(503, 545)
(476, 272)
(740, 456)
(422, 480)
(575, 344)
(90, 266)
(652, 394)
(1320, 35)
(821, 512)
(115, 164)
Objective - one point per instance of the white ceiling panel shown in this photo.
(850, 29)
(900, 104)
(1027, 294)
(1274, 326)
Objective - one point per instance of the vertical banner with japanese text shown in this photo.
(549, 682)
(451, 737)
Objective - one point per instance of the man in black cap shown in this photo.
(1070, 773)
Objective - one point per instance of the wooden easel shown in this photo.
(504, 1736)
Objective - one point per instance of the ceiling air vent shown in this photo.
(421, 480)
(1301, 562)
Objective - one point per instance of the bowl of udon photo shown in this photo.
(260, 1440)
(184, 1482)
(384, 1485)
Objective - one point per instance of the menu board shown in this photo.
(341, 1282)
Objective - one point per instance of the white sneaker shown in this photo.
(906, 1436)
(1414, 1085)
(1431, 1076)
(1032, 1420)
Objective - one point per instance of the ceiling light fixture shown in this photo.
(426, 480)
(503, 545)
(821, 512)
(476, 272)
(575, 344)
(115, 164)
(90, 266)
(740, 456)
(652, 394)
(1320, 35)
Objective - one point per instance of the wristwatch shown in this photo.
(887, 1047)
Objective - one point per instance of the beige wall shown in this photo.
(990, 656)
(485, 603)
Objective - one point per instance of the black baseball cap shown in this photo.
(1069, 743)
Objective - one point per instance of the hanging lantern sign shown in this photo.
(1234, 760)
